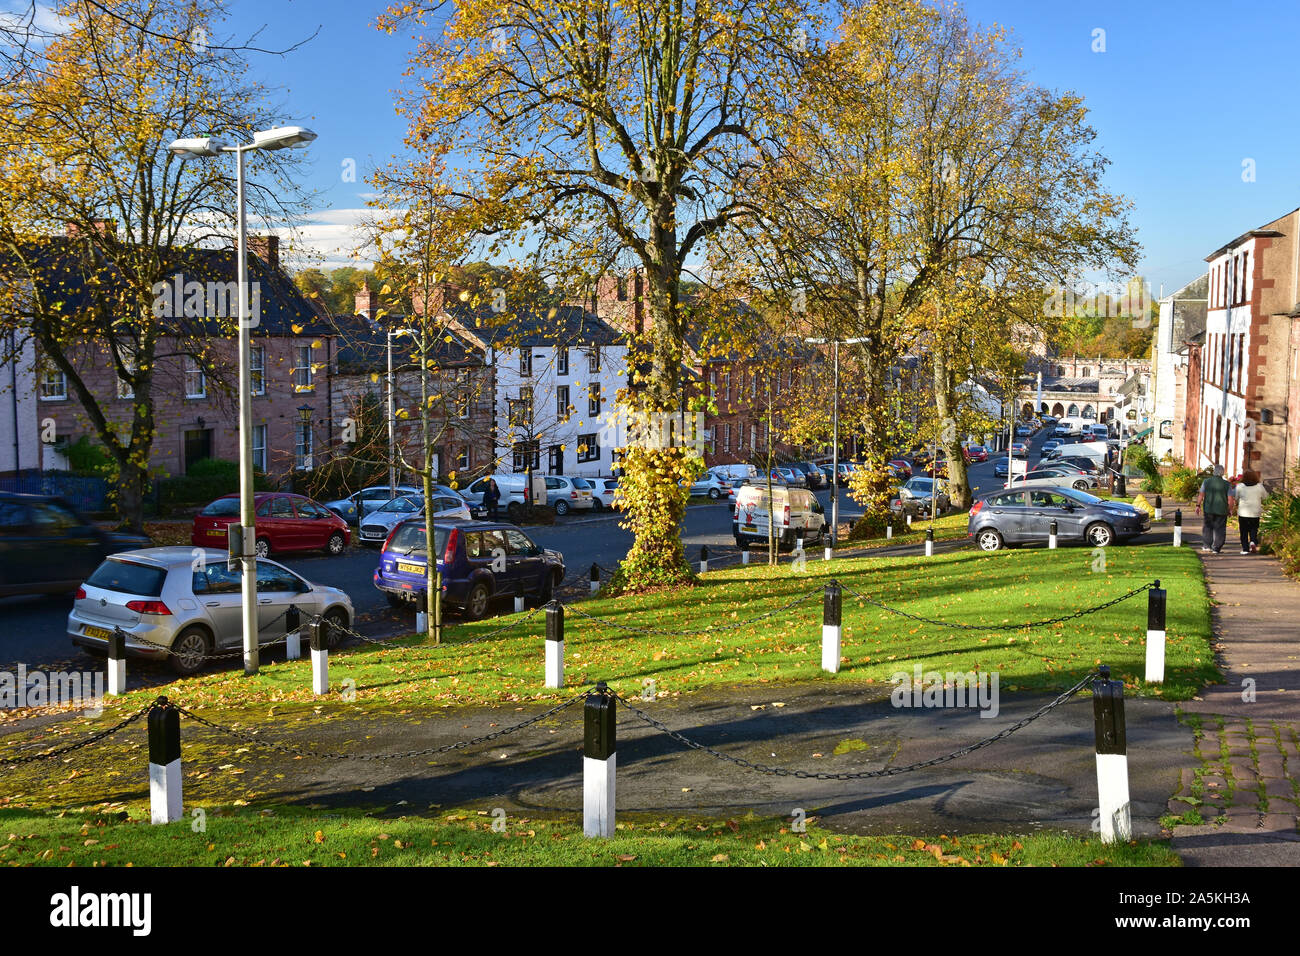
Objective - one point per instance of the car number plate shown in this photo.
(410, 568)
(216, 532)
(91, 631)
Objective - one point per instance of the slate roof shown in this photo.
(363, 346)
(1056, 383)
(63, 268)
(563, 325)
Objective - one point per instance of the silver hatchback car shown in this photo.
(181, 603)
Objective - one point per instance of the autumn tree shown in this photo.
(96, 211)
(598, 135)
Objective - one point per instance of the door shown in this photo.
(1046, 506)
(281, 524)
(494, 553)
(314, 525)
(555, 465)
(219, 593)
(1008, 514)
(21, 560)
(66, 547)
(525, 559)
(198, 445)
(277, 588)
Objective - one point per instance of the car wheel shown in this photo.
(263, 548)
(336, 620)
(1099, 535)
(989, 540)
(188, 650)
(1080, 485)
(715, 494)
(596, 504)
(561, 507)
(476, 602)
(335, 544)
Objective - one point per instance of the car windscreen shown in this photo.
(126, 577)
(410, 539)
(1082, 496)
(222, 508)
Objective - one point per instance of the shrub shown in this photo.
(1183, 483)
(90, 460)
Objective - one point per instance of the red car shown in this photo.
(975, 453)
(901, 466)
(285, 522)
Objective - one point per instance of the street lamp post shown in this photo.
(835, 431)
(203, 147)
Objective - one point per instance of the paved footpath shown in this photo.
(1247, 784)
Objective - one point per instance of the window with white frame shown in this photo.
(54, 386)
(527, 454)
(303, 371)
(302, 446)
(562, 402)
(589, 447)
(726, 437)
(593, 359)
(593, 398)
(525, 361)
(196, 383)
(562, 360)
(259, 447)
(464, 460)
(257, 369)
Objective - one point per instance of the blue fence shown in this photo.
(84, 494)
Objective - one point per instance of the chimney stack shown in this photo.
(266, 248)
(103, 227)
(366, 302)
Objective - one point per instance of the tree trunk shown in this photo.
(130, 487)
(949, 437)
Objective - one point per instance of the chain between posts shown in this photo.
(997, 627)
(252, 737)
(865, 774)
(94, 738)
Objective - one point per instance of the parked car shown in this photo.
(359, 504)
(1022, 515)
(284, 522)
(711, 485)
(1019, 449)
(192, 608)
(736, 473)
(479, 562)
(377, 525)
(602, 493)
(46, 547)
(901, 466)
(917, 496)
(975, 453)
(566, 494)
(798, 514)
(1050, 445)
(1085, 463)
(1064, 477)
(1024, 430)
(812, 475)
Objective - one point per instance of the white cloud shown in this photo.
(336, 237)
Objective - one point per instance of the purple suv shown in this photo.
(480, 561)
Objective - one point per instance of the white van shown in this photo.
(514, 495)
(1074, 425)
(1091, 449)
(735, 474)
(798, 515)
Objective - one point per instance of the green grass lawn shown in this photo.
(1003, 589)
(293, 836)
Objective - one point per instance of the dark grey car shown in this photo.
(1019, 516)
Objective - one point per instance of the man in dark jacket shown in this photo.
(1214, 500)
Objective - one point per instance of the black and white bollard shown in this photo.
(744, 553)
(117, 662)
(1159, 510)
(292, 633)
(929, 542)
(908, 516)
(555, 644)
(832, 605)
(1178, 527)
(1051, 534)
(598, 763)
(519, 602)
(164, 763)
(318, 639)
(595, 578)
(1156, 634)
(798, 544)
(889, 530)
(827, 551)
(704, 558)
(1115, 813)
(421, 622)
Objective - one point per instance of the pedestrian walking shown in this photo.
(1249, 495)
(491, 498)
(1213, 501)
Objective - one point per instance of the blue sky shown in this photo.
(1182, 95)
